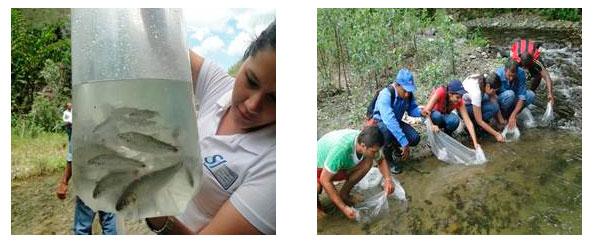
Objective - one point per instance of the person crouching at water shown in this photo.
(481, 101)
(348, 155)
(442, 102)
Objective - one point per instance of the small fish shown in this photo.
(145, 143)
(145, 185)
(112, 181)
(115, 162)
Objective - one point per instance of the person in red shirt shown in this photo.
(527, 54)
(442, 102)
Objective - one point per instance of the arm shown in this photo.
(469, 125)
(389, 118)
(545, 74)
(195, 64)
(326, 181)
(229, 221)
(478, 116)
(427, 109)
(226, 221)
(385, 170)
(512, 117)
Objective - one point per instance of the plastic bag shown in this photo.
(527, 119)
(370, 180)
(372, 208)
(511, 135)
(449, 150)
(375, 204)
(548, 115)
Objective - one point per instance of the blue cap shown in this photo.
(405, 79)
(455, 86)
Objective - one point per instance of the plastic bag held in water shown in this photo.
(527, 119)
(449, 150)
(135, 135)
(375, 204)
(548, 115)
(511, 135)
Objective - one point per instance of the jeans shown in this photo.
(488, 110)
(83, 220)
(390, 141)
(507, 101)
(449, 121)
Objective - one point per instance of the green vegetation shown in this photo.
(568, 14)
(40, 69)
(360, 50)
(37, 156)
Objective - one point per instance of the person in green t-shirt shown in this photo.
(348, 154)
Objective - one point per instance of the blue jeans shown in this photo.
(390, 141)
(507, 101)
(488, 109)
(449, 121)
(83, 219)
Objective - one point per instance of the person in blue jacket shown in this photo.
(388, 117)
(513, 94)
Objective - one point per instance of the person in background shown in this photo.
(527, 54)
(513, 95)
(83, 215)
(442, 102)
(387, 115)
(481, 101)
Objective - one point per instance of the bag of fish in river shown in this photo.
(449, 150)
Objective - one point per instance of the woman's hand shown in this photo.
(435, 128)
(499, 138)
(349, 212)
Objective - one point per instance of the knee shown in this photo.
(452, 122)
(436, 117)
(529, 97)
(506, 98)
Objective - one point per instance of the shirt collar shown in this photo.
(355, 158)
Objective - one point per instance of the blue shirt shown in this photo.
(518, 86)
(391, 113)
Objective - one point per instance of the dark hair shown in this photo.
(266, 39)
(492, 79)
(371, 136)
(511, 64)
(525, 59)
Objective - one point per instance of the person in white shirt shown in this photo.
(481, 101)
(237, 137)
(62, 188)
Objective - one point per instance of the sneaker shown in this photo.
(396, 168)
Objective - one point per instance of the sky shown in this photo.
(222, 35)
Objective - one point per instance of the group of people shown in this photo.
(485, 103)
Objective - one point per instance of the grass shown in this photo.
(41, 155)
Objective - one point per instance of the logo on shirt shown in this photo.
(217, 166)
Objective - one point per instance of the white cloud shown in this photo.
(212, 43)
(200, 33)
(239, 44)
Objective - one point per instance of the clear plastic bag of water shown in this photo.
(375, 203)
(526, 118)
(449, 150)
(511, 135)
(134, 129)
(548, 115)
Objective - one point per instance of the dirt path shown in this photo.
(35, 209)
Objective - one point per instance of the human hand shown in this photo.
(551, 98)
(499, 138)
(511, 123)
(435, 128)
(388, 185)
(425, 112)
(405, 153)
(349, 212)
(62, 190)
